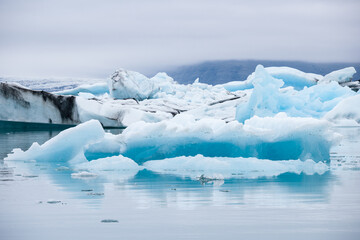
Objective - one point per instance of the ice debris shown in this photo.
(109, 221)
(84, 174)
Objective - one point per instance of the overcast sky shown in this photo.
(93, 38)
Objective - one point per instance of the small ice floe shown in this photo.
(95, 194)
(30, 176)
(6, 180)
(109, 221)
(6, 171)
(62, 168)
(203, 179)
(84, 174)
(52, 201)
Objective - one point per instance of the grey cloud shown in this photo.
(88, 38)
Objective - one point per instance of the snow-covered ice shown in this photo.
(340, 76)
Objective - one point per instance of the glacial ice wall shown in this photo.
(25, 105)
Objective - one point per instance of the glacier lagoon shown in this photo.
(253, 158)
(43, 200)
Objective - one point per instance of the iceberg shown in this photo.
(275, 138)
(294, 78)
(347, 112)
(67, 145)
(340, 76)
(24, 105)
(125, 84)
(290, 76)
(268, 98)
(97, 89)
(114, 163)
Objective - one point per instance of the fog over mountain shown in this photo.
(216, 72)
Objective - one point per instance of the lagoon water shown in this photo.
(43, 201)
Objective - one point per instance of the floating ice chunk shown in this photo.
(107, 146)
(164, 84)
(115, 163)
(125, 84)
(84, 174)
(52, 201)
(340, 76)
(86, 95)
(234, 86)
(347, 112)
(92, 109)
(290, 76)
(200, 166)
(294, 77)
(265, 99)
(275, 138)
(121, 113)
(115, 168)
(109, 221)
(63, 147)
(95, 89)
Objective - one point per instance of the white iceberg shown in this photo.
(114, 163)
(290, 76)
(347, 112)
(125, 84)
(341, 76)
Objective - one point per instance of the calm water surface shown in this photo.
(43, 201)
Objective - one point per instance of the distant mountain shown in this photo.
(217, 72)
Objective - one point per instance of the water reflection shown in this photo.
(149, 189)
